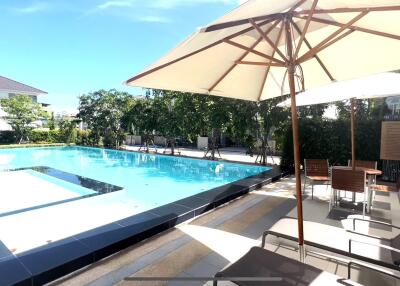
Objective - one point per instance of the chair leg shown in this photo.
(312, 190)
(364, 204)
(215, 283)
(331, 199)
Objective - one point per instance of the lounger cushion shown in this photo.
(259, 262)
(334, 239)
(396, 255)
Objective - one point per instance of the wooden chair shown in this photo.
(366, 164)
(316, 170)
(348, 180)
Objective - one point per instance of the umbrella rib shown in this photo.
(240, 46)
(242, 57)
(270, 64)
(267, 39)
(269, 67)
(221, 26)
(328, 44)
(315, 56)
(348, 10)
(330, 37)
(195, 52)
(303, 33)
(298, 4)
(297, 14)
(234, 65)
(355, 28)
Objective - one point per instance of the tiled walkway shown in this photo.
(201, 247)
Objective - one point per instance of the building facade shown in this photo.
(10, 88)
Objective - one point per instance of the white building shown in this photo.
(10, 88)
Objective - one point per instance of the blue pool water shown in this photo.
(150, 180)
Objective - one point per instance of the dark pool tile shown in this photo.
(12, 272)
(199, 205)
(107, 239)
(4, 251)
(56, 259)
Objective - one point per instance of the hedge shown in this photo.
(330, 139)
(80, 137)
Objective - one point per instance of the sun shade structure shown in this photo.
(374, 86)
(267, 48)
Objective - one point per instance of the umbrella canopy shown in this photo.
(243, 54)
(248, 53)
(374, 86)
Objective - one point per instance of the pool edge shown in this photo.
(55, 260)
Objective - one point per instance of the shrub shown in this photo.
(330, 139)
(7, 137)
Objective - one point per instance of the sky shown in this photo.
(70, 47)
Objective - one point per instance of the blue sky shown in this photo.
(68, 47)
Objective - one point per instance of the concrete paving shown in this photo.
(208, 243)
(229, 154)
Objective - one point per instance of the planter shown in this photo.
(160, 141)
(202, 142)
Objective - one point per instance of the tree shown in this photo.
(142, 119)
(21, 111)
(103, 112)
(169, 121)
(270, 115)
(243, 124)
(217, 117)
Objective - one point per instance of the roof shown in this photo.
(15, 86)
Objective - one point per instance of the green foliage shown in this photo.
(68, 130)
(52, 123)
(7, 137)
(21, 113)
(103, 111)
(51, 136)
(330, 139)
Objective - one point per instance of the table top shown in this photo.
(369, 171)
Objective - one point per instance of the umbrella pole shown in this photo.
(353, 131)
(295, 128)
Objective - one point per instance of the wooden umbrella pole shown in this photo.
(295, 126)
(353, 133)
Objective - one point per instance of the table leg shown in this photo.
(369, 202)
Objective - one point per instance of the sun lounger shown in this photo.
(372, 249)
(260, 263)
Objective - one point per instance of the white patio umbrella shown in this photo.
(373, 86)
(258, 50)
(368, 87)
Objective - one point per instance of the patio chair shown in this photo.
(365, 164)
(316, 170)
(383, 252)
(348, 180)
(260, 263)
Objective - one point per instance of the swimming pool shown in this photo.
(62, 208)
(146, 179)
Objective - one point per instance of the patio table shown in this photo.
(370, 172)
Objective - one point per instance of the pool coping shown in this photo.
(54, 260)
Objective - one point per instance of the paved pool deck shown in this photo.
(206, 244)
(229, 154)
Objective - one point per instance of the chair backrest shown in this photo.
(348, 180)
(365, 164)
(316, 167)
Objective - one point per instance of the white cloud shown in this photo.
(33, 8)
(153, 19)
(115, 3)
